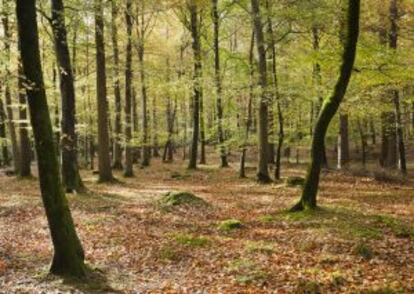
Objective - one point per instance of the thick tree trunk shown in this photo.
(128, 171)
(68, 256)
(330, 107)
(262, 172)
(25, 148)
(117, 156)
(218, 81)
(70, 170)
(7, 93)
(196, 46)
(104, 160)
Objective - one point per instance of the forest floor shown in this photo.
(361, 240)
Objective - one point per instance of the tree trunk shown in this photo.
(202, 130)
(395, 93)
(281, 134)
(70, 170)
(196, 46)
(104, 160)
(329, 108)
(117, 156)
(25, 148)
(317, 80)
(364, 143)
(128, 171)
(68, 256)
(242, 172)
(155, 146)
(3, 143)
(8, 97)
(262, 172)
(343, 141)
(145, 120)
(218, 81)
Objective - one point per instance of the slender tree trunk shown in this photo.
(3, 138)
(364, 143)
(343, 141)
(25, 148)
(262, 172)
(317, 80)
(171, 111)
(281, 134)
(196, 46)
(218, 81)
(242, 172)
(145, 120)
(70, 170)
(373, 131)
(117, 156)
(105, 172)
(7, 93)
(203, 159)
(395, 93)
(330, 107)
(128, 171)
(68, 256)
(155, 146)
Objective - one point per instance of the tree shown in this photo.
(329, 109)
(395, 93)
(7, 91)
(117, 162)
(68, 256)
(196, 46)
(128, 171)
(217, 76)
(262, 172)
(70, 170)
(25, 148)
(104, 161)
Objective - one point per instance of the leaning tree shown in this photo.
(329, 108)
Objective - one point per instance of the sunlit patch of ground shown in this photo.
(361, 239)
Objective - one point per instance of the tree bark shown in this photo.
(70, 169)
(329, 108)
(281, 135)
(395, 93)
(317, 80)
(25, 148)
(196, 46)
(262, 172)
(7, 93)
(343, 141)
(128, 171)
(242, 171)
(117, 156)
(218, 81)
(4, 150)
(104, 161)
(69, 255)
